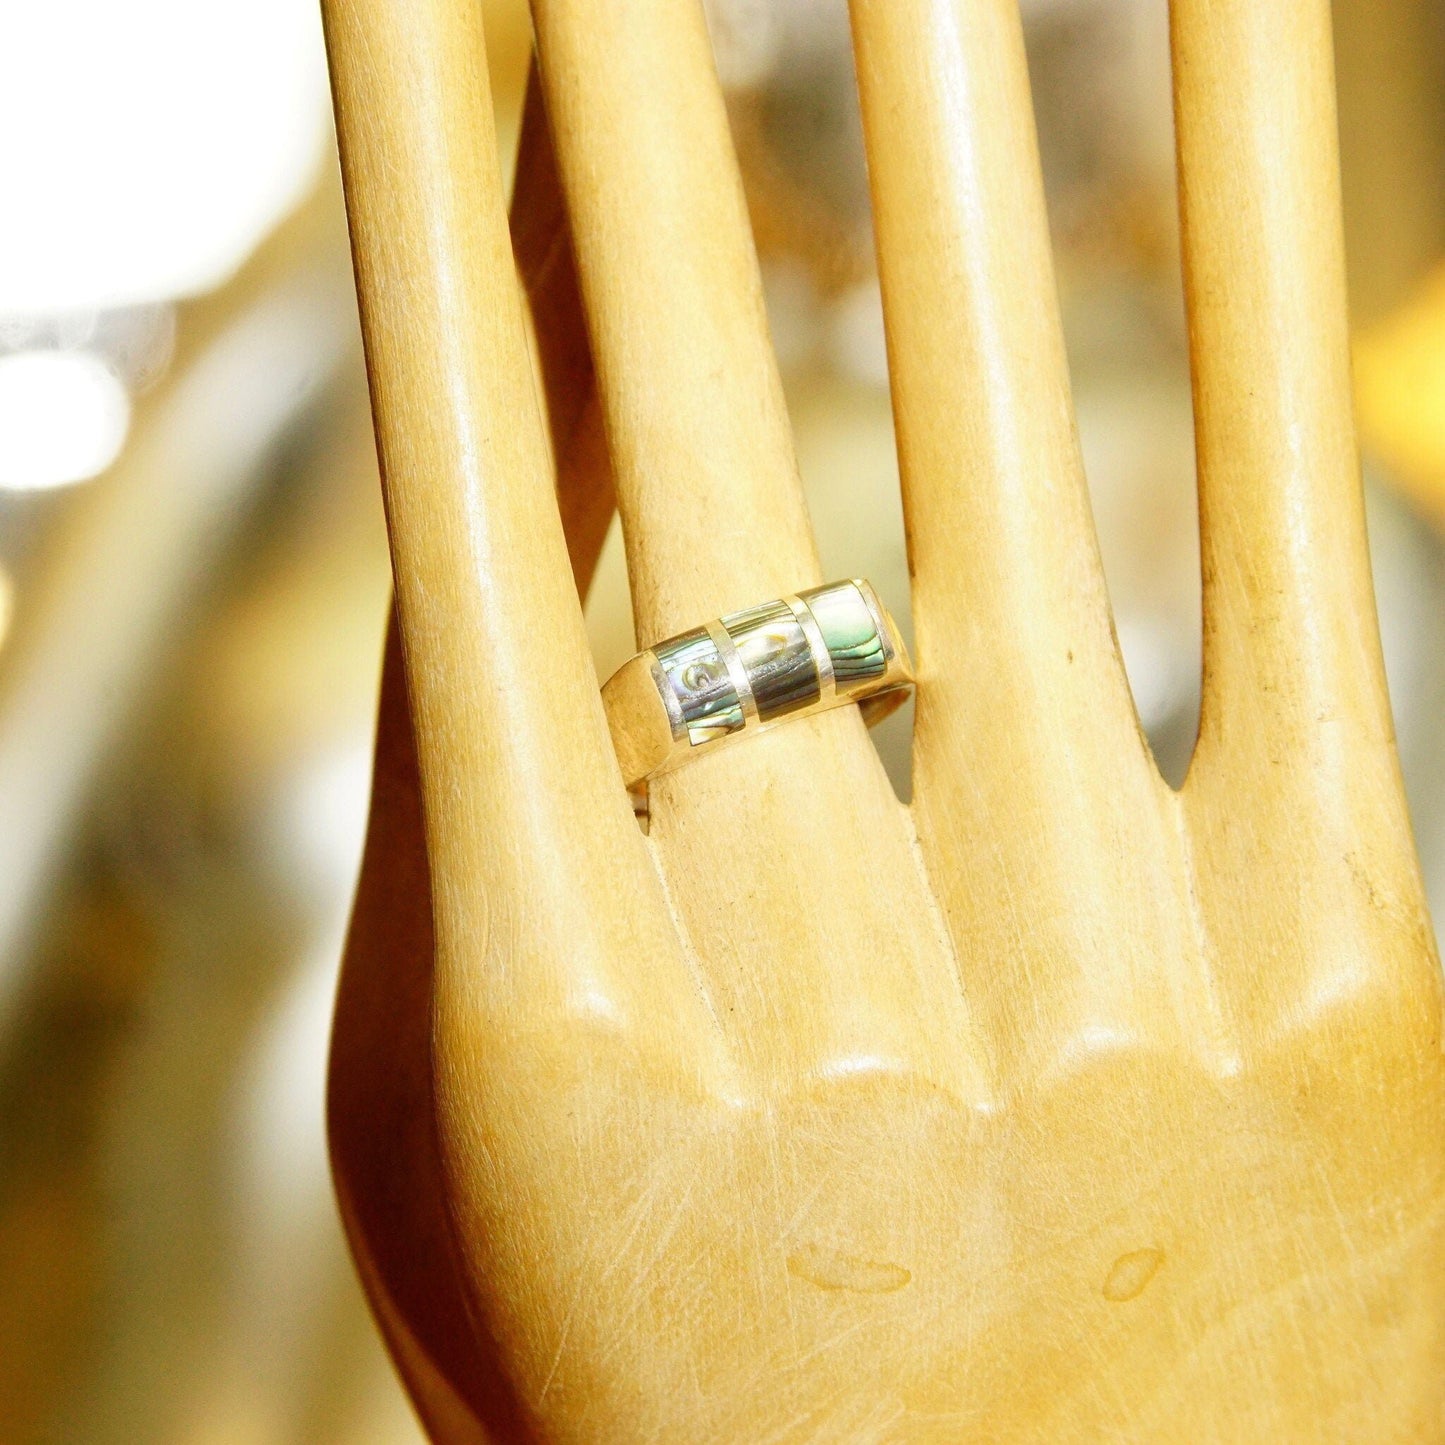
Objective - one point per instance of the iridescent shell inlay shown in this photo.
(774, 652)
(851, 632)
(704, 690)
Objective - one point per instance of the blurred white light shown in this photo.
(152, 144)
(63, 418)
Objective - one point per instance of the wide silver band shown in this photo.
(751, 670)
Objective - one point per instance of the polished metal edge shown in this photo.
(822, 658)
(742, 683)
(888, 633)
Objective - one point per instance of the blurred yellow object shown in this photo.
(1400, 395)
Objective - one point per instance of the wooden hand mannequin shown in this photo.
(1057, 1106)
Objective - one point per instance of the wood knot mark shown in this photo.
(1130, 1274)
(832, 1269)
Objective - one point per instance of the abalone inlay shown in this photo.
(775, 654)
(699, 678)
(848, 627)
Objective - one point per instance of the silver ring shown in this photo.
(748, 671)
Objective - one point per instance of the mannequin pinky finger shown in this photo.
(1294, 795)
(1292, 656)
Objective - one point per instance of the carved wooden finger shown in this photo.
(1023, 708)
(1009, 605)
(501, 683)
(712, 506)
(767, 849)
(549, 921)
(381, 1105)
(1295, 791)
(1291, 641)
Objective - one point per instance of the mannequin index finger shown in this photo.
(511, 741)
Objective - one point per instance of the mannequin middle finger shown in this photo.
(770, 845)
(1025, 734)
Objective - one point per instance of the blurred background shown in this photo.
(193, 585)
